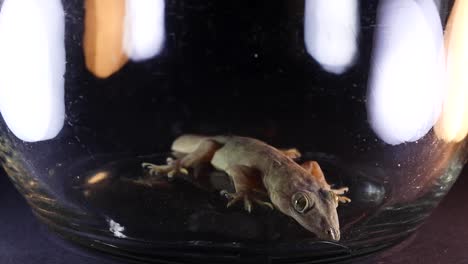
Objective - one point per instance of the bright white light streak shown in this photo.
(331, 29)
(32, 65)
(405, 90)
(453, 123)
(144, 28)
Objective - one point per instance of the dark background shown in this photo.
(442, 239)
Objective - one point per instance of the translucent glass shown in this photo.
(96, 95)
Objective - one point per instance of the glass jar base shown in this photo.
(136, 251)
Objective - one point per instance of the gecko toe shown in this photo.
(265, 204)
(146, 165)
(248, 198)
(171, 174)
(171, 169)
(344, 199)
(224, 193)
(232, 198)
(340, 191)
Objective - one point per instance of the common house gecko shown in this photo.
(259, 170)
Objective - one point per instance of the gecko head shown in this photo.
(316, 212)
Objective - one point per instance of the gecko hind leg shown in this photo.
(315, 171)
(339, 193)
(202, 154)
(247, 184)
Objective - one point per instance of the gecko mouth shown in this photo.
(333, 234)
(330, 233)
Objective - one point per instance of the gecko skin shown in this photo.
(256, 169)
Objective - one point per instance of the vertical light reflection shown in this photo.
(331, 28)
(453, 123)
(405, 90)
(103, 36)
(144, 28)
(32, 65)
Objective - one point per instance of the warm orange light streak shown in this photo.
(103, 36)
(453, 123)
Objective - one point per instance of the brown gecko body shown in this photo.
(256, 168)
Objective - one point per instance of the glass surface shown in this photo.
(94, 93)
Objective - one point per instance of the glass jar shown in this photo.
(283, 131)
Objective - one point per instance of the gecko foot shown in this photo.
(343, 199)
(339, 195)
(172, 168)
(248, 198)
(341, 190)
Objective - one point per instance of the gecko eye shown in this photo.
(329, 196)
(301, 203)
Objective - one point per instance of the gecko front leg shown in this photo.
(203, 154)
(247, 185)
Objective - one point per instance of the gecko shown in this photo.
(259, 170)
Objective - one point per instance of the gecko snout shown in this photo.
(333, 234)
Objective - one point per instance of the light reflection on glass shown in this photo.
(406, 81)
(32, 66)
(98, 177)
(330, 33)
(144, 29)
(453, 124)
(103, 36)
